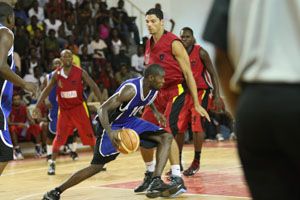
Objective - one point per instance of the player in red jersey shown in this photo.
(200, 64)
(72, 109)
(166, 49)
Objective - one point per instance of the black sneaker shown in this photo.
(74, 155)
(51, 168)
(48, 157)
(52, 195)
(158, 188)
(177, 188)
(145, 184)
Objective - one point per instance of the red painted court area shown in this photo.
(227, 182)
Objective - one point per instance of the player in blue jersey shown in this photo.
(7, 79)
(119, 112)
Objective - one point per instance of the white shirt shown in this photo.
(98, 45)
(138, 62)
(40, 14)
(54, 26)
(264, 41)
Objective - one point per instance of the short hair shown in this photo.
(188, 29)
(5, 10)
(154, 11)
(153, 69)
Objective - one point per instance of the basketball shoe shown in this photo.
(177, 187)
(193, 169)
(74, 155)
(146, 182)
(51, 167)
(52, 195)
(158, 188)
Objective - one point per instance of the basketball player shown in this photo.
(201, 65)
(72, 109)
(53, 114)
(7, 79)
(167, 50)
(119, 112)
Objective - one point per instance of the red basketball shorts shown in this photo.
(68, 120)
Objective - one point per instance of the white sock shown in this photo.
(49, 149)
(74, 146)
(150, 166)
(176, 170)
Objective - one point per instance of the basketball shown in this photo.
(130, 141)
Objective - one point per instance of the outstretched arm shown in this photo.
(182, 57)
(123, 96)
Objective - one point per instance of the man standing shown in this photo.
(167, 50)
(206, 79)
(73, 112)
(7, 79)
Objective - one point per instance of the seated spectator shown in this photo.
(23, 128)
(125, 74)
(104, 95)
(32, 61)
(116, 42)
(20, 13)
(52, 23)
(137, 60)
(51, 42)
(86, 61)
(98, 47)
(104, 29)
(120, 59)
(37, 11)
(33, 26)
(107, 77)
(86, 43)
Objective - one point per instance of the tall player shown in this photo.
(166, 49)
(119, 112)
(72, 109)
(200, 64)
(7, 79)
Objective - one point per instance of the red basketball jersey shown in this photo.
(161, 53)
(18, 114)
(69, 88)
(198, 68)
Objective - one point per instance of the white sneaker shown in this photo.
(220, 137)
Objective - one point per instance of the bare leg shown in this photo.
(147, 154)
(198, 140)
(174, 154)
(80, 176)
(163, 151)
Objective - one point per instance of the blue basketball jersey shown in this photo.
(124, 116)
(128, 110)
(52, 99)
(6, 92)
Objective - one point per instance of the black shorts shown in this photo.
(6, 152)
(145, 142)
(100, 159)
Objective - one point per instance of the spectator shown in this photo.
(51, 42)
(137, 60)
(52, 23)
(98, 47)
(124, 74)
(37, 11)
(166, 18)
(104, 94)
(23, 127)
(120, 59)
(33, 26)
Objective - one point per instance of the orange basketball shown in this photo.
(130, 141)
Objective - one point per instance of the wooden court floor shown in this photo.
(220, 177)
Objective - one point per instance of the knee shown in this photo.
(167, 138)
